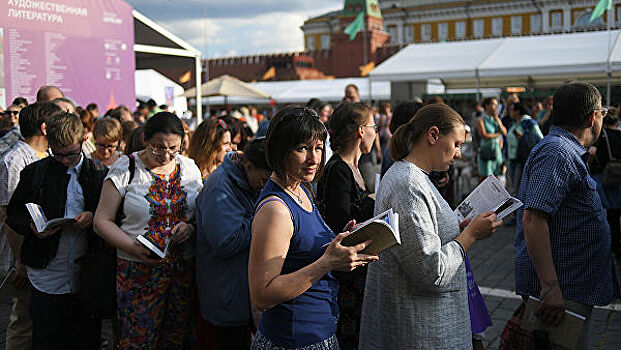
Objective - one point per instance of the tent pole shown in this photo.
(199, 97)
(478, 79)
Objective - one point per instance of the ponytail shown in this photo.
(439, 115)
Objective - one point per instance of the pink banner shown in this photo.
(86, 48)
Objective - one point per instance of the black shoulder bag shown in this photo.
(98, 269)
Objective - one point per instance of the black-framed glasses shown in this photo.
(160, 151)
(374, 126)
(107, 147)
(7, 113)
(68, 156)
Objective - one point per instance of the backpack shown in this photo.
(528, 141)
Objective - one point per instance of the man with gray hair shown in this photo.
(562, 245)
(49, 93)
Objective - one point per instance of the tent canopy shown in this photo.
(533, 60)
(300, 91)
(227, 85)
(157, 48)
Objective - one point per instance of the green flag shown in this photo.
(354, 27)
(602, 6)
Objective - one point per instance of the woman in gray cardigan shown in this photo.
(416, 294)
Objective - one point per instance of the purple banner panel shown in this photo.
(86, 48)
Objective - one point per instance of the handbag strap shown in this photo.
(608, 145)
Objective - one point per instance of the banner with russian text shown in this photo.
(86, 48)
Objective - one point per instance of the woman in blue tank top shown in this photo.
(293, 252)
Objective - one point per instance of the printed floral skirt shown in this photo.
(154, 303)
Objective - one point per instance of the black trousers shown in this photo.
(58, 323)
(233, 338)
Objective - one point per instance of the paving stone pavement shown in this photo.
(492, 264)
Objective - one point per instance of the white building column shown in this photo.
(400, 33)
(567, 18)
(545, 20)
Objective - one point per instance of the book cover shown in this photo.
(566, 334)
(156, 243)
(383, 230)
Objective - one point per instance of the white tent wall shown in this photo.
(151, 84)
(300, 91)
(533, 61)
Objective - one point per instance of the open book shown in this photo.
(490, 195)
(156, 243)
(383, 230)
(40, 221)
(7, 286)
(566, 334)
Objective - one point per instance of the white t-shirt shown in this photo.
(142, 204)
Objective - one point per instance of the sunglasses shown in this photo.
(11, 112)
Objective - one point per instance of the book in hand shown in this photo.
(7, 286)
(383, 230)
(41, 222)
(566, 334)
(156, 243)
(490, 195)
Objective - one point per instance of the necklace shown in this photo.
(298, 198)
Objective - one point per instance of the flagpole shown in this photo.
(608, 65)
(365, 54)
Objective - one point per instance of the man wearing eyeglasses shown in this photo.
(562, 245)
(64, 185)
(32, 126)
(11, 117)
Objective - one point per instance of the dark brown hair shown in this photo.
(439, 115)
(344, 122)
(289, 128)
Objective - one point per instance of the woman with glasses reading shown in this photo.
(292, 251)
(153, 295)
(107, 133)
(344, 196)
(209, 144)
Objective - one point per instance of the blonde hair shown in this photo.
(108, 128)
(64, 129)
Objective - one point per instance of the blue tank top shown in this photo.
(312, 316)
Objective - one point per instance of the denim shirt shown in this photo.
(556, 181)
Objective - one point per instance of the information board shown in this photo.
(86, 48)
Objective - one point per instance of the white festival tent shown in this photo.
(151, 84)
(300, 91)
(543, 60)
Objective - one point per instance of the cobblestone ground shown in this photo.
(492, 264)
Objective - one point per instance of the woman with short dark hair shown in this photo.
(292, 251)
(157, 203)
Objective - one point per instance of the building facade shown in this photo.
(391, 24)
(419, 21)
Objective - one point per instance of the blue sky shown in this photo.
(236, 27)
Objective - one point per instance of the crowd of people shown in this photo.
(227, 234)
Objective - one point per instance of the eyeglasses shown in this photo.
(374, 126)
(160, 151)
(603, 110)
(107, 147)
(69, 156)
(11, 112)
